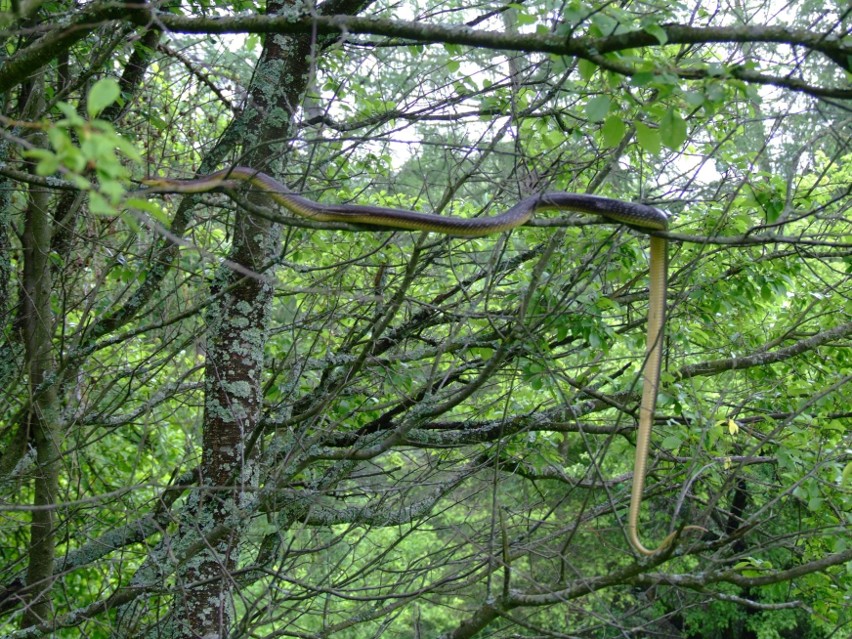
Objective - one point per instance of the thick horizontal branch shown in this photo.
(738, 72)
(636, 573)
(65, 33)
(748, 239)
(418, 31)
(492, 608)
(16, 69)
(700, 580)
(593, 49)
(716, 366)
(377, 513)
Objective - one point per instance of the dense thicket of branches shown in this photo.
(220, 421)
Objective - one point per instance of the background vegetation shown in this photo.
(220, 421)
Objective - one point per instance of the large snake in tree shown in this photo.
(632, 214)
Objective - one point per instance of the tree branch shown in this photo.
(699, 580)
(593, 49)
(765, 357)
(588, 48)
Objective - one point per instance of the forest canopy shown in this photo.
(222, 419)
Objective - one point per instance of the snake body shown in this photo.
(636, 215)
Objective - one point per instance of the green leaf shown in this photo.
(99, 205)
(72, 118)
(104, 92)
(598, 107)
(587, 69)
(613, 131)
(642, 78)
(59, 139)
(846, 476)
(452, 48)
(671, 442)
(648, 138)
(554, 138)
(482, 352)
(48, 162)
(658, 32)
(522, 17)
(149, 207)
(127, 147)
(112, 189)
(694, 98)
(673, 129)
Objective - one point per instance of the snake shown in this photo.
(645, 218)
